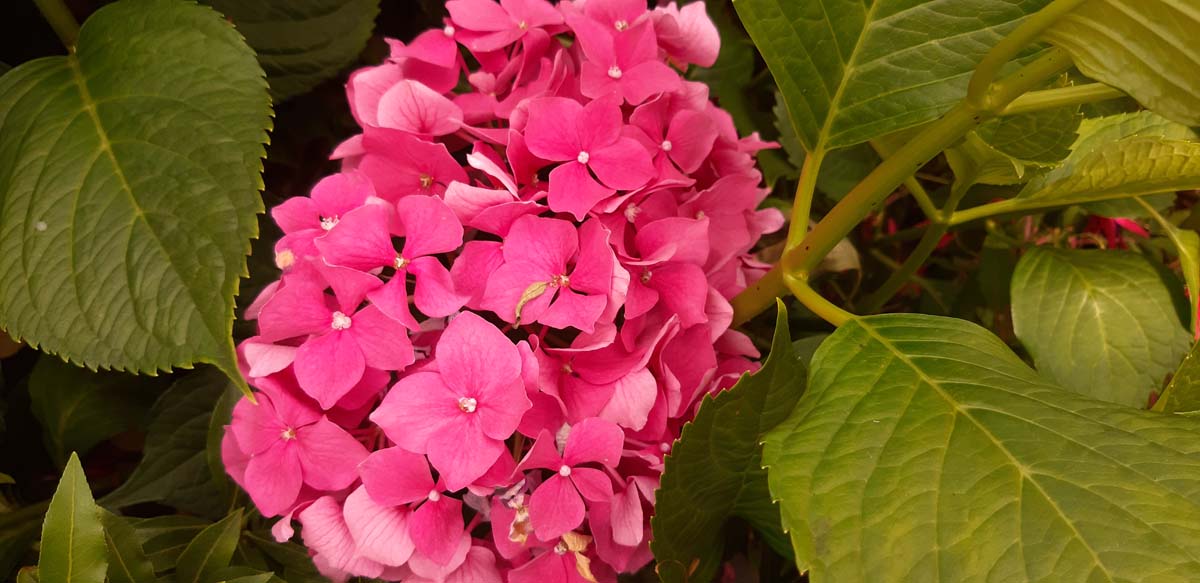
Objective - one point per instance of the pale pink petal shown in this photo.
(479, 567)
(417, 408)
(360, 240)
(328, 366)
(325, 532)
(688, 34)
(594, 485)
(434, 293)
(632, 398)
(394, 477)
(481, 15)
(422, 565)
(366, 86)
(465, 457)
(551, 132)
(328, 455)
(573, 190)
(468, 201)
(296, 214)
(594, 440)
(436, 528)
(555, 508)
(411, 106)
(625, 165)
(265, 358)
(379, 532)
(500, 475)
(641, 298)
(496, 40)
(273, 478)
(583, 399)
(233, 458)
(383, 341)
(400, 164)
(628, 527)
(430, 227)
(501, 408)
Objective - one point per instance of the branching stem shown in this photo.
(61, 20)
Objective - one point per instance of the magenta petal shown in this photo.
(594, 440)
(328, 455)
(465, 457)
(640, 299)
(256, 426)
(468, 201)
(349, 286)
(418, 407)
(296, 214)
(328, 366)
(543, 454)
(476, 359)
(481, 15)
(394, 477)
(674, 238)
(593, 484)
(380, 532)
(625, 165)
(496, 40)
(430, 226)
(360, 240)
(555, 508)
(647, 80)
(691, 135)
(392, 299)
(600, 123)
(637, 45)
(298, 308)
(273, 478)
(383, 341)
(366, 86)
(437, 528)
(479, 567)
(572, 310)
(573, 190)
(683, 288)
(627, 517)
(547, 244)
(411, 106)
(325, 532)
(434, 294)
(632, 398)
(533, 12)
(265, 358)
(594, 267)
(551, 132)
(338, 194)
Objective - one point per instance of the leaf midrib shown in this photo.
(105, 146)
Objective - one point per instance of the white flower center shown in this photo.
(646, 276)
(560, 548)
(583, 157)
(564, 471)
(667, 145)
(614, 72)
(632, 211)
(621, 25)
(523, 25)
(664, 447)
(287, 434)
(560, 281)
(285, 259)
(448, 31)
(328, 222)
(700, 215)
(434, 496)
(467, 404)
(340, 321)
(400, 262)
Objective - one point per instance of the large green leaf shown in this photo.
(210, 551)
(301, 43)
(1118, 157)
(714, 471)
(1101, 323)
(127, 561)
(174, 468)
(1146, 48)
(1183, 394)
(78, 408)
(129, 179)
(73, 548)
(925, 450)
(852, 70)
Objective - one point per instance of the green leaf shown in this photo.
(165, 537)
(18, 530)
(1183, 394)
(127, 561)
(714, 472)
(925, 450)
(73, 548)
(1041, 137)
(1100, 323)
(78, 408)
(301, 43)
(27, 575)
(852, 70)
(242, 574)
(841, 169)
(1118, 157)
(174, 469)
(297, 565)
(210, 551)
(1145, 48)
(730, 77)
(129, 179)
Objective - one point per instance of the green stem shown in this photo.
(925, 247)
(815, 302)
(940, 135)
(761, 294)
(914, 186)
(61, 20)
(982, 89)
(802, 203)
(1180, 249)
(1062, 96)
(1010, 205)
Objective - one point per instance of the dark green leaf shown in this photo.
(27, 575)
(1142, 47)
(301, 43)
(174, 468)
(714, 472)
(73, 548)
(78, 408)
(241, 574)
(129, 179)
(852, 70)
(1100, 323)
(210, 551)
(18, 530)
(297, 565)
(127, 562)
(925, 450)
(841, 170)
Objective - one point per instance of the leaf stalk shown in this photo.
(61, 20)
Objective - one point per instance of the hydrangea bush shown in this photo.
(493, 322)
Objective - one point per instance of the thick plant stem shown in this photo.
(61, 20)
(925, 247)
(815, 302)
(982, 90)
(1061, 97)
(914, 186)
(802, 203)
(761, 294)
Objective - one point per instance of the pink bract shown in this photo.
(492, 323)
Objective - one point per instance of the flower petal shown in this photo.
(273, 478)
(394, 477)
(328, 455)
(379, 532)
(328, 366)
(436, 528)
(555, 508)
